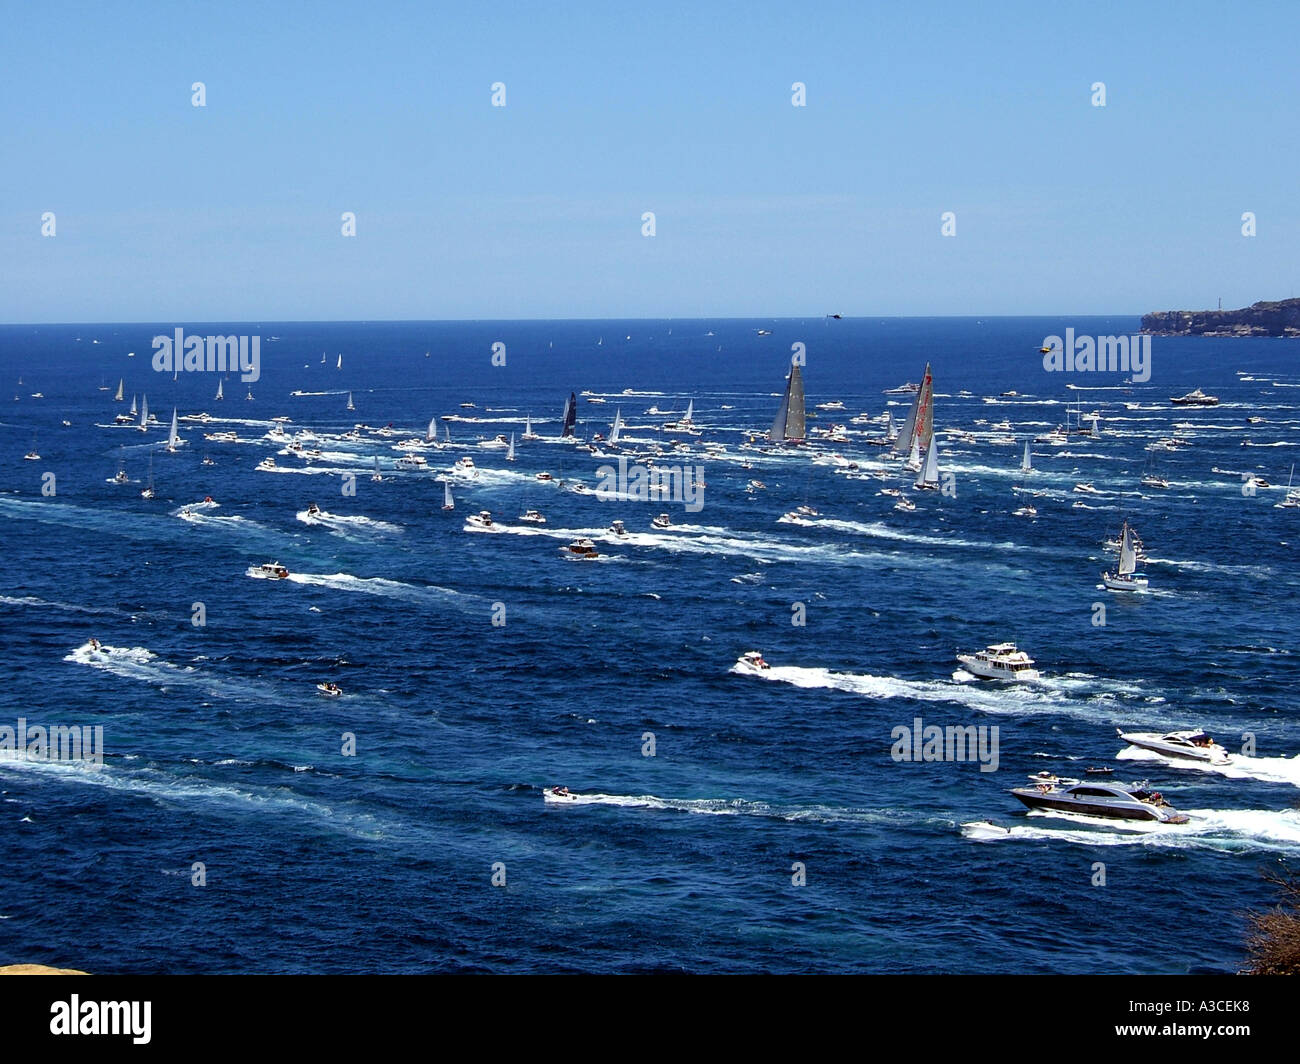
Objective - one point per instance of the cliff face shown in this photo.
(1280, 318)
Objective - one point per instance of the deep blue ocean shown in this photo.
(220, 750)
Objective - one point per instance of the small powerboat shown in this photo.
(661, 521)
(616, 527)
(532, 517)
(1193, 745)
(581, 549)
(271, 571)
(313, 510)
(752, 661)
(329, 690)
(482, 519)
(558, 795)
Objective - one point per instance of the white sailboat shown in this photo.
(148, 492)
(1026, 463)
(351, 404)
(431, 433)
(376, 475)
(144, 414)
(510, 451)
(173, 437)
(928, 478)
(1292, 499)
(617, 427)
(446, 429)
(448, 503)
(135, 407)
(118, 397)
(529, 434)
(1125, 577)
(221, 390)
(340, 363)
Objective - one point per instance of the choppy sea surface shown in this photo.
(220, 751)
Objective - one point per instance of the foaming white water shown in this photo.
(1268, 769)
(343, 523)
(372, 585)
(1224, 830)
(821, 814)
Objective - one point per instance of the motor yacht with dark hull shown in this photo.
(1189, 745)
(1107, 800)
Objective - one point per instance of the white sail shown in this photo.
(448, 503)
(447, 431)
(221, 389)
(528, 425)
(914, 459)
(928, 477)
(174, 438)
(431, 433)
(340, 365)
(510, 454)
(135, 409)
(690, 411)
(1127, 556)
(1025, 464)
(118, 397)
(1095, 434)
(144, 414)
(351, 404)
(617, 427)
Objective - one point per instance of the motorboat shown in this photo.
(411, 461)
(313, 510)
(543, 476)
(908, 388)
(482, 519)
(905, 506)
(1193, 745)
(267, 463)
(752, 661)
(329, 689)
(532, 517)
(1101, 800)
(1151, 480)
(616, 527)
(581, 549)
(1195, 398)
(1025, 511)
(1086, 489)
(270, 571)
(662, 521)
(558, 795)
(1001, 661)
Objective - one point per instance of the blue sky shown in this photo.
(232, 212)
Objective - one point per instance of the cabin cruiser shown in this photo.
(662, 521)
(482, 519)
(221, 437)
(410, 461)
(329, 690)
(1191, 745)
(544, 476)
(752, 661)
(270, 571)
(465, 463)
(1103, 800)
(616, 527)
(124, 419)
(532, 517)
(903, 389)
(1057, 437)
(1001, 661)
(1195, 398)
(582, 548)
(267, 463)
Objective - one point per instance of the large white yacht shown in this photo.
(1001, 661)
(1191, 745)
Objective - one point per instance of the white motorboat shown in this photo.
(329, 690)
(1193, 745)
(482, 519)
(1101, 800)
(1025, 511)
(267, 463)
(1195, 398)
(1001, 661)
(752, 661)
(582, 549)
(270, 571)
(543, 476)
(532, 517)
(616, 527)
(1151, 480)
(558, 795)
(905, 506)
(313, 510)
(1086, 489)
(411, 461)
(662, 521)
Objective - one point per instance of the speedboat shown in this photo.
(904, 389)
(1195, 398)
(581, 549)
(558, 795)
(1087, 489)
(1103, 800)
(410, 461)
(1025, 511)
(532, 517)
(1190, 745)
(752, 661)
(270, 571)
(543, 476)
(313, 510)
(482, 519)
(266, 463)
(616, 527)
(905, 505)
(1001, 661)
(661, 521)
(329, 690)
(465, 463)
(32, 456)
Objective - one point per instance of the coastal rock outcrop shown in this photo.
(1277, 318)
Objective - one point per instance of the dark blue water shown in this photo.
(221, 751)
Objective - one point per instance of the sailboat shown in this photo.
(529, 434)
(1026, 464)
(351, 404)
(118, 397)
(33, 455)
(148, 492)
(376, 476)
(919, 427)
(340, 363)
(570, 416)
(510, 453)
(788, 425)
(1292, 499)
(617, 427)
(928, 477)
(448, 503)
(173, 438)
(135, 409)
(1125, 577)
(446, 431)
(431, 433)
(1150, 478)
(221, 390)
(144, 414)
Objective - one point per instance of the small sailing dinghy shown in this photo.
(1125, 577)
